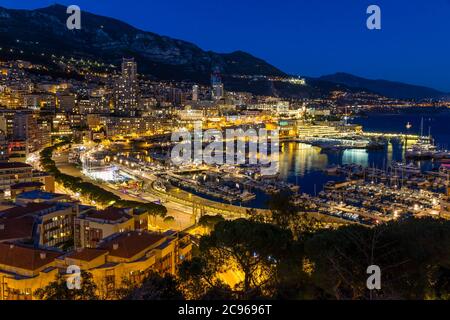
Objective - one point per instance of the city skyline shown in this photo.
(303, 38)
(135, 166)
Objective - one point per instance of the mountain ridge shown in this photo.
(112, 39)
(388, 88)
(166, 58)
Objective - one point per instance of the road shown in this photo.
(182, 213)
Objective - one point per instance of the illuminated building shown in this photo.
(7, 121)
(61, 125)
(66, 103)
(126, 89)
(94, 226)
(26, 128)
(53, 220)
(445, 205)
(216, 85)
(190, 115)
(195, 92)
(275, 107)
(326, 129)
(23, 270)
(16, 172)
(130, 256)
(3, 146)
(17, 151)
(95, 104)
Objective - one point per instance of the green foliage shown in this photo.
(293, 217)
(198, 278)
(58, 290)
(169, 219)
(413, 255)
(256, 249)
(210, 221)
(157, 287)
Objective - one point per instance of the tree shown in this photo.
(411, 254)
(58, 289)
(198, 280)
(289, 215)
(255, 249)
(157, 287)
(209, 221)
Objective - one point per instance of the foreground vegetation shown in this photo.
(289, 257)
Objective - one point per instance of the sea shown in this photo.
(304, 165)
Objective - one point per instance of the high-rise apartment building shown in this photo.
(126, 90)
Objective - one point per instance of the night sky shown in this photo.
(303, 37)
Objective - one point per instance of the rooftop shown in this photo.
(14, 165)
(25, 257)
(111, 214)
(26, 185)
(39, 194)
(86, 254)
(129, 244)
(19, 211)
(13, 229)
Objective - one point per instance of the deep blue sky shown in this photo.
(305, 37)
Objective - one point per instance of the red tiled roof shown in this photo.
(86, 254)
(24, 257)
(109, 214)
(13, 229)
(19, 211)
(129, 244)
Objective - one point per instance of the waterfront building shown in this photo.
(189, 115)
(326, 130)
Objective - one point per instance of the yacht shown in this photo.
(423, 149)
(407, 168)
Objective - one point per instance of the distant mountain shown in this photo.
(109, 40)
(383, 87)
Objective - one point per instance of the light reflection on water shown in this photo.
(358, 156)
